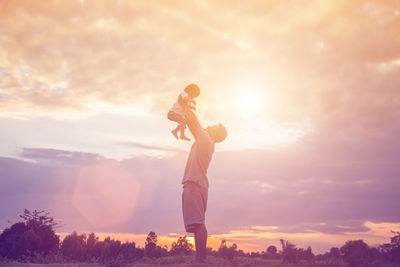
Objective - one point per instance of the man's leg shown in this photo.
(200, 240)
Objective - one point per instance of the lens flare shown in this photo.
(106, 193)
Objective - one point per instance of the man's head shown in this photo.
(217, 132)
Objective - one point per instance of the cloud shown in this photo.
(151, 147)
(328, 77)
(308, 186)
(138, 56)
(59, 156)
(315, 72)
(306, 193)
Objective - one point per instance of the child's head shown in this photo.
(192, 90)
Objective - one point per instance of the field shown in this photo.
(182, 261)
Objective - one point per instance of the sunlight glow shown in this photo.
(248, 102)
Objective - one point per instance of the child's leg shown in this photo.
(183, 136)
(172, 116)
(182, 127)
(175, 131)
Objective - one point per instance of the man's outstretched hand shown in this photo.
(191, 119)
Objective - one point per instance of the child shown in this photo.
(176, 112)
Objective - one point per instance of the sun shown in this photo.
(248, 102)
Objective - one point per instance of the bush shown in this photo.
(181, 247)
(33, 236)
(226, 252)
(74, 247)
(357, 253)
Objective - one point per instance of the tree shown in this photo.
(391, 251)
(292, 254)
(271, 253)
(272, 250)
(307, 254)
(289, 251)
(334, 253)
(34, 235)
(181, 246)
(129, 252)
(151, 245)
(112, 253)
(111, 249)
(91, 243)
(74, 247)
(227, 252)
(357, 253)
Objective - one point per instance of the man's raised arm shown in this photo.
(191, 120)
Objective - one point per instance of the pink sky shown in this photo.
(309, 92)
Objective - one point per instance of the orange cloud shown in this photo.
(315, 63)
(77, 54)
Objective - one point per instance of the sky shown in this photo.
(308, 90)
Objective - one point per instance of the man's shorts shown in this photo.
(194, 205)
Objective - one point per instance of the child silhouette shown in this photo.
(176, 113)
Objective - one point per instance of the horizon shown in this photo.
(308, 92)
(214, 241)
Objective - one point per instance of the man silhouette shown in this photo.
(195, 181)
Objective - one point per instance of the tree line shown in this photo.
(33, 239)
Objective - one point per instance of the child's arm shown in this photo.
(191, 103)
(183, 98)
(186, 100)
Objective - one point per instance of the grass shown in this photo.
(182, 261)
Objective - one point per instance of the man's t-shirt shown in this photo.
(199, 159)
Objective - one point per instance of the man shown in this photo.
(195, 181)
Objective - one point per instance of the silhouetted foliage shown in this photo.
(391, 251)
(74, 247)
(34, 240)
(79, 248)
(306, 254)
(130, 253)
(181, 247)
(292, 254)
(332, 254)
(108, 249)
(241, 253)
(357, 253)
(91, 243)
(151, 245)
(272, 250)
(255, 254)
(151, 249)
(271, 253)
(226, 252)
(289, 251)
(34, 235)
